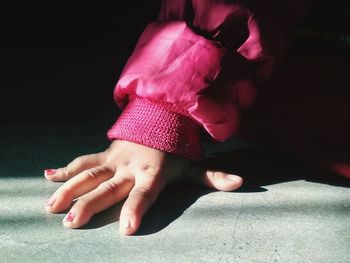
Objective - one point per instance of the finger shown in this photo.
(75, 167)
(104, 196)
(140, 199)
(83, 183)
(220, 180)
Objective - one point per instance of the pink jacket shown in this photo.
(197, 67)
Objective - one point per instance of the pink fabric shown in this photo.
(204, 57)
(146, 122)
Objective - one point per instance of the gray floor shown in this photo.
(295, 218)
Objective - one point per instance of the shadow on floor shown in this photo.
(261, 166)
(169, 206)
(258, 166)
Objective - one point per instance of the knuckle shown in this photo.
(109, 186)
(66, 192)
(67, 171)
(92, 173)
(150, 170)
(80, 160)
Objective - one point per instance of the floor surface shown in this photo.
(284, 212)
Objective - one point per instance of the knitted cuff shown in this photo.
(159, 125)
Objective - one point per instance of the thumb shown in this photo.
(220, 180)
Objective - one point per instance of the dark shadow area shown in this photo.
(171, 204)
(109, 216)
(261, 166)
(61, 60)
(59, 70)
(257, 165)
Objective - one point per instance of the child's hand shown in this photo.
(124, 170)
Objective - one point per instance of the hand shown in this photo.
(125, 170)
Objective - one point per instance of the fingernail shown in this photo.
(49, 172)
(69, 217)
(51, 201)
(234, 177)
(125, 223)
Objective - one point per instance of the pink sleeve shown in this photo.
(197, 67)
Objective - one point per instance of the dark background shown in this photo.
(60, 60)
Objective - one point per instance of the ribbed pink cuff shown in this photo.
(160, 126)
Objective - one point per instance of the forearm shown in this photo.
(197, 67)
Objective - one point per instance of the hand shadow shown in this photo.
(104, 218)
(259, 166)
(171, 203)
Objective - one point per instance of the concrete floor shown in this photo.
(286, 212)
